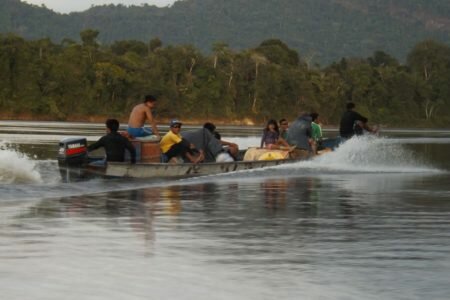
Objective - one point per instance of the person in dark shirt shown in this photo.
(114, 143)
(352, 123)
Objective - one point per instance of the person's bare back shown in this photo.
(139, 115)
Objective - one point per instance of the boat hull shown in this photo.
(185, 170)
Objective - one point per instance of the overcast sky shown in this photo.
(66, 6)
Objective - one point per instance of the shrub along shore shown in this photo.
(86, 81)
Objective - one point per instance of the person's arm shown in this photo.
(282, 142)
(262, 139)
(230, 144)
(363, 122)
(98, 144)
(232, 148)
(369, 128)
(152, 122)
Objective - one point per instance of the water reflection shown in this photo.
(275, 193)
(315, 232)
(344, 229)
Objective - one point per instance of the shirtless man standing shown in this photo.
(139, 115)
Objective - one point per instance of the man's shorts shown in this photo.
(139, 132)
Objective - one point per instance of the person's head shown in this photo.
(272, 125)
(149, 100)
(210, 126)
(112, 125)
(284, 124)
(314, 116)
(175, 126)
(350, 106)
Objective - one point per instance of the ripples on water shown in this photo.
(369, 221)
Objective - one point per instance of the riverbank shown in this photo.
(122, 120)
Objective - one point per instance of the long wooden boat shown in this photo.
(75, 164)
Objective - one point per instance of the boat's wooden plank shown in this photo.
(161, 170)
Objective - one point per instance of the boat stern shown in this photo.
(72, 158)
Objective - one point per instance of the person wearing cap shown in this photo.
(173, 145)
(141, 113)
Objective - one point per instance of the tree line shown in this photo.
(77, 80)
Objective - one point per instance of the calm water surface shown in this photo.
(368, 221)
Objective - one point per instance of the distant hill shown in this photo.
(320, 30)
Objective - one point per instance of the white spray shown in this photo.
(369, 154)
(16, 167)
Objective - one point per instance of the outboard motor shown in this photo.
(72, 158)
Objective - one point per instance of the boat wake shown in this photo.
(25, 178)
(16, 167)
(357, 156)
(368, 155)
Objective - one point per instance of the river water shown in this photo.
(368, 221)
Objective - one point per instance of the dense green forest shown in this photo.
(77, 80)
(322, 31)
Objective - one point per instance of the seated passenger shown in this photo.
(271, 138)
(114, 144)
(316, 131)
(284, 126)
(300, 135)
(212, 148)
(174, 145)
(352, 123)
(141, 113)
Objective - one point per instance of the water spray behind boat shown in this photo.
(16, 167)
(370, 154)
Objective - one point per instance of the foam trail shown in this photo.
(369, 154)
(16, 167)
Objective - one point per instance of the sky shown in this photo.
(66, 6)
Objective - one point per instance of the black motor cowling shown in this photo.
(72, 158)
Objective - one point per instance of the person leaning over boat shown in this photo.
(139, 114)
(352, 123)
(300, 136)
(212, 148)
(229, 147)
(114, 144)
(271, 138)
(174, 145)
